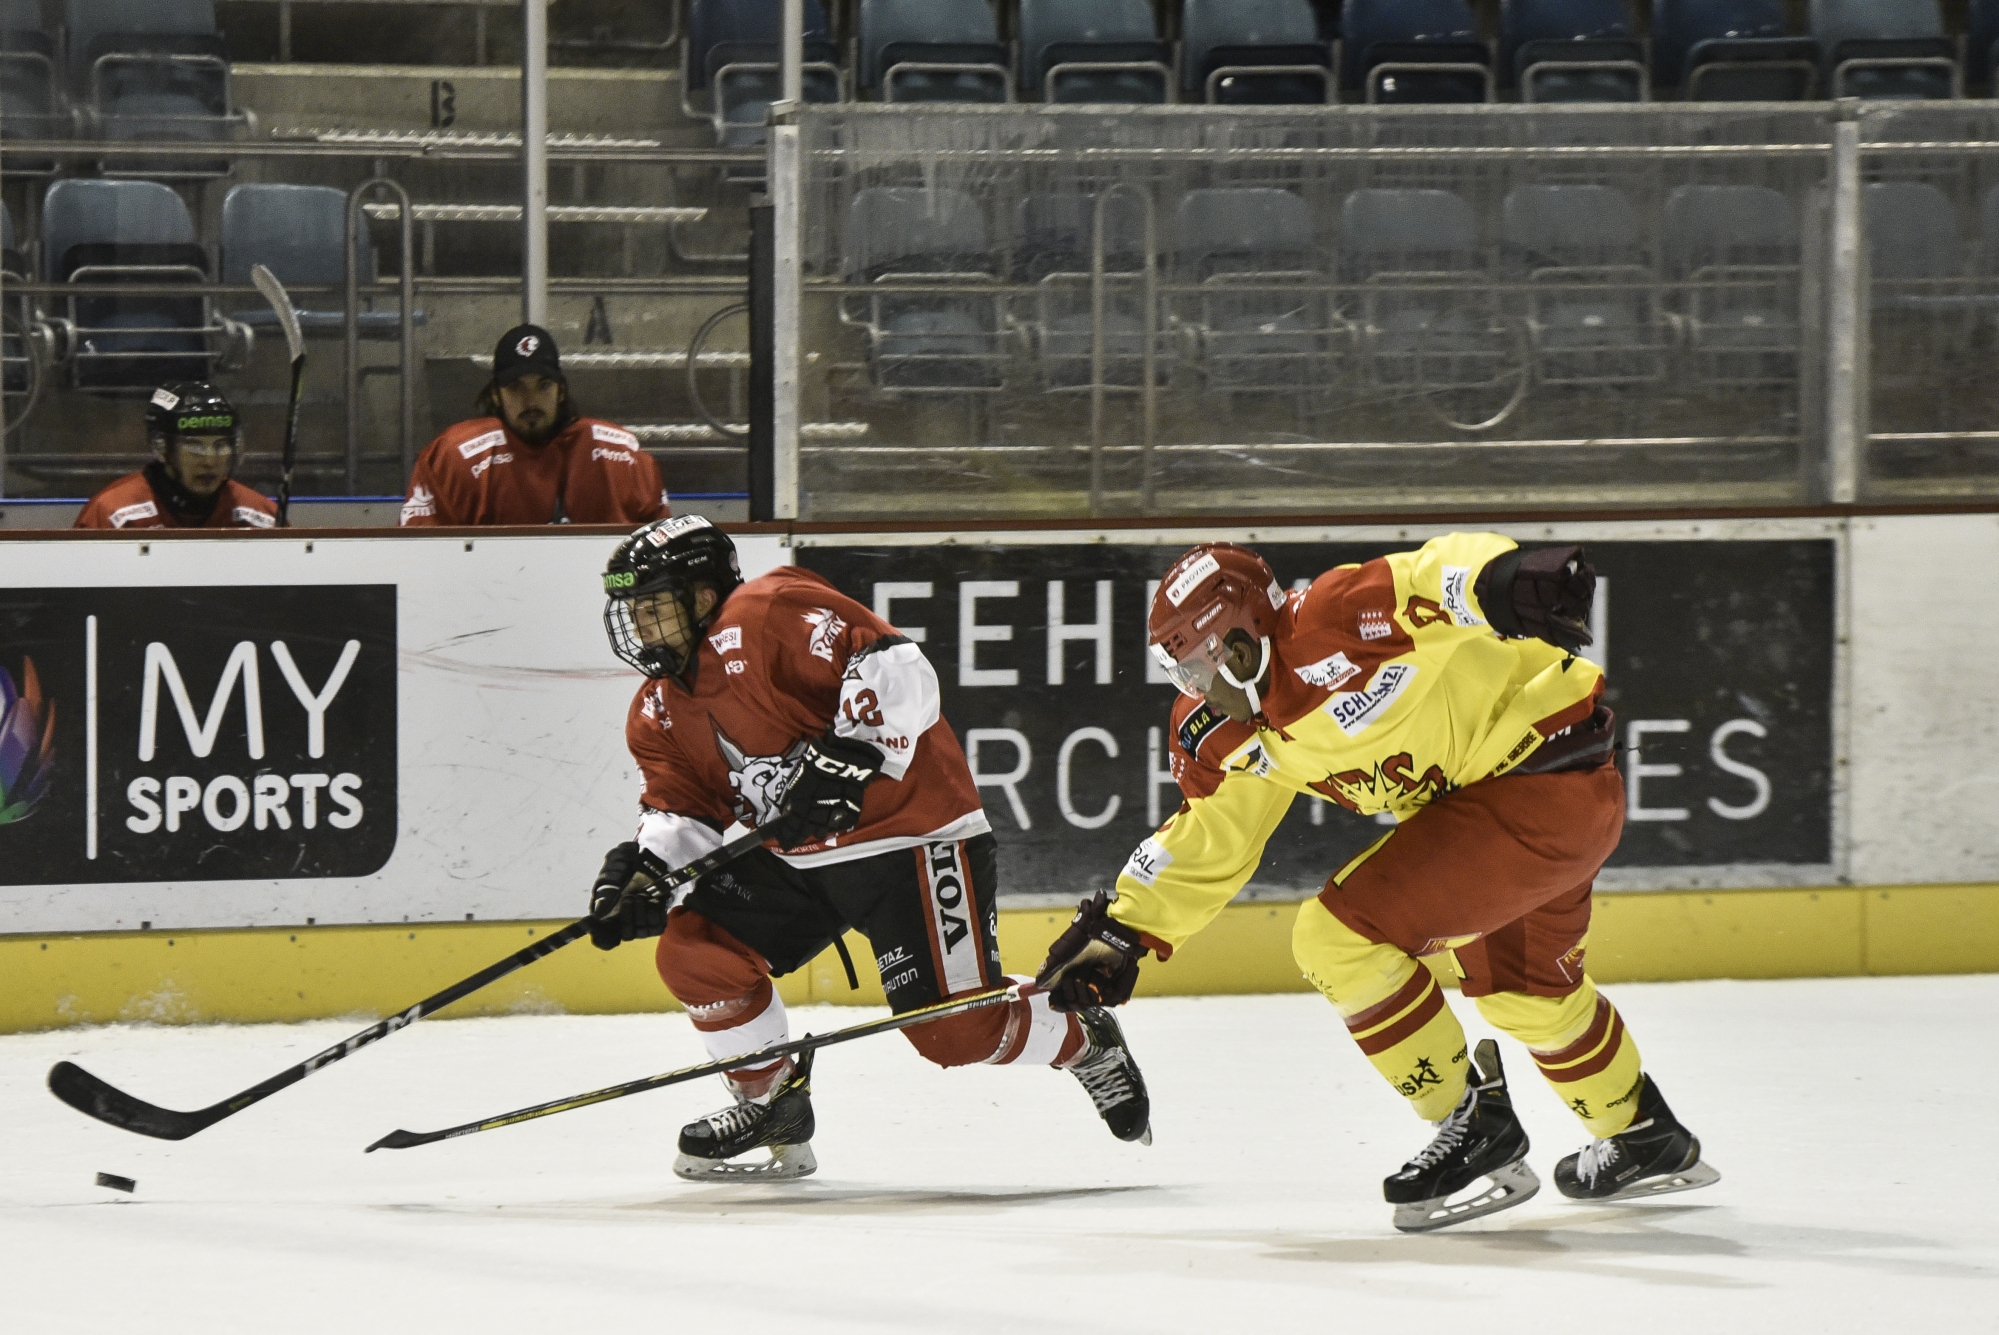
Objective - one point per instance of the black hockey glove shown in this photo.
(1094, 962)
(625, 903)
(1543, 595)
(825, 798)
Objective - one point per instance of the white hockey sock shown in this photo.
(750, 1032)
(1045, 1031)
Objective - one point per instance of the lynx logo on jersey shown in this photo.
(759, 782)
(1329, 673)
(827, 627)
(1354, 710)
(1457, 596)
(948, 889)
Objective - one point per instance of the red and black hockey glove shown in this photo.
(1543, 595)
(625, 902)
(1094, 962)
(826, 796)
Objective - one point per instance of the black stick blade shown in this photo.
(93, 1098)
(400, 1140)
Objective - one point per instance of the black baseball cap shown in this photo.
(526, 349)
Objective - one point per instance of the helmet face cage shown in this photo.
(673, 557)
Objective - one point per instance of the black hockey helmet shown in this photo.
(190, 408)
(673, 556)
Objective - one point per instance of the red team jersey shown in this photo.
(130, 503)
(479, 472)
(786, 656)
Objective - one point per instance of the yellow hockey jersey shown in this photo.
(1386, 690)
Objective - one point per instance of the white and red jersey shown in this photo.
(787, 657)
(480, 472)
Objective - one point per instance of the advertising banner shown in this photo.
(197, 733)
(1719, 659)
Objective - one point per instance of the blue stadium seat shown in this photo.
(135, 231)
(1254, 52)
(1731, 51)
(1053, 248)
(297, 232)
(1592, 300)
(31, 104)
(731, 52)
(1414, 51)
(1093, 51)
(1733, 252)
(1571, 51)
(917, 342)
(151, 69)
(1262, 317)
(1885, 49)
(932, 51)
(1426, 301)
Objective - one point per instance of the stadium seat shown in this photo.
(1913, 247)
(1414, 51)
(918, 342)
(1426, 301)
(932, 51)
(731, 52)
(1262, 316)
(16, 371)
(1054, 245)
(31, 103)
(1254, 52)
(135, 231)
(1571, 51)
(1592, 296)
(12, 262)
(1733, 252)
(1093, 51)
(1981, 38)
(1731, 51)
(297, 231)
(1885, 49)
(151, 69)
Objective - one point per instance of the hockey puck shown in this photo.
(117, 1183)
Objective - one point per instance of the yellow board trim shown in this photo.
(282, 975)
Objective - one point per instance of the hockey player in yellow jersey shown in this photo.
(1441, 686)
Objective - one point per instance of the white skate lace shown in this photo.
(1104, 1079)
(733, 1121)
(1450, 1134)
(1595, 1160)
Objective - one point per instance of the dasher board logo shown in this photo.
(197, 733)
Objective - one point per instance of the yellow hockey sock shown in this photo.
(1392, 1006)
(1580, 1044)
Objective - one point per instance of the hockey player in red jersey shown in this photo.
(782, 704)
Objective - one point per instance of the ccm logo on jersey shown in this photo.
(480, 444)
(1329, 673)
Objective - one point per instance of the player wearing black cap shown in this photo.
(196, 438)
(530, 457)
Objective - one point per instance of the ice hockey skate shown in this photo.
(1110, 1074)
(781, 1122)
(1654, 1156)
(1481, 1141)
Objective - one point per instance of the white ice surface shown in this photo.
(1851, 1120)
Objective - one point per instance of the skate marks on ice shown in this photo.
(1614, 1242)
(823, 1200)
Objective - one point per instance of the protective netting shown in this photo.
(1351, 309)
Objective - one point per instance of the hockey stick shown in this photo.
(94, 1098)
(281, 302)
(402, 1140)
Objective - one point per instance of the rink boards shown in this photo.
(321, 766)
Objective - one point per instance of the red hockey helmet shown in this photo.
(1215, 588)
